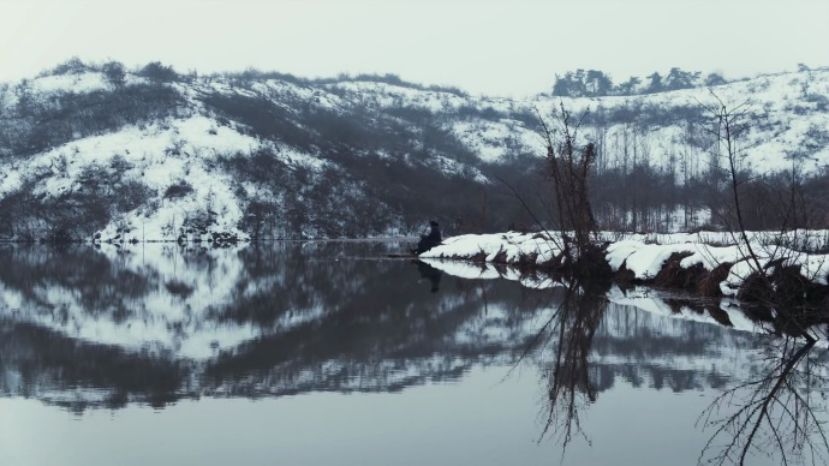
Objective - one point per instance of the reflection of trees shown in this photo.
(99, 283)
(570, 384)
(775, 413)
(386, 335)
(318, 323)
(55, 368)
(320, 320)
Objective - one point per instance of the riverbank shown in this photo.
(711, 264)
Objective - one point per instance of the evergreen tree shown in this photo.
(655, 83)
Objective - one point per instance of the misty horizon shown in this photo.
(395, 77)
(481, 47)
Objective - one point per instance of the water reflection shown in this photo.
(775, 409)
(571, 386)
(83, 328)
(777, 412)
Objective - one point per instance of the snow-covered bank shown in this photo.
(647, 258)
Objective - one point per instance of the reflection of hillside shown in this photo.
(39, 363)
(648, 349)
(102, 328)
(379, 340)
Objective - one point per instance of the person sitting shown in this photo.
(429, 241)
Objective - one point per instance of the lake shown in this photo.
(311, 353)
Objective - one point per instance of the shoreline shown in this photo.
(798, 279)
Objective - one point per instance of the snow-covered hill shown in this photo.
(83, 155)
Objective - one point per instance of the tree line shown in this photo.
(595, 83)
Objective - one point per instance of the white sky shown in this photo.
(509, 47)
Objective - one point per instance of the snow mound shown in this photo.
(644, 259)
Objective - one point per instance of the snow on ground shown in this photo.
(645, 255)
(183, 149)
(158, 156)
(789, 111)
(452, 167)
(386, 95)
(513, 245)
(278, 90)
(645, 260)
(786, 111)
(79, 83)
(815, 267)
(493, 141)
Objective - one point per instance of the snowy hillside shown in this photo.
(160, 156)
(788, 114)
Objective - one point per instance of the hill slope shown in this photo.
(83, 155)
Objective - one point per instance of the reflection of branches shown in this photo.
(569, 385)
(775, 412)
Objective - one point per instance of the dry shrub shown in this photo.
(554, 263)
(624, 275)
(500, 257)
(756, 289)
(672, 275)
(479, 257)
(708, 284)
(592, 264)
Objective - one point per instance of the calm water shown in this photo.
(329, 353)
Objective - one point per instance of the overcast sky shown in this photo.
(510, 47)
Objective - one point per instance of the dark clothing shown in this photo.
(429, 241)
(430, 273)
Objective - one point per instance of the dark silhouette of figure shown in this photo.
(429, 241)
(430, 273)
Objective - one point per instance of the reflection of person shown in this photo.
(430, 273)
(431, 240)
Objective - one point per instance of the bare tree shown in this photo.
(730, 126)
(774, 413)
(570, 166)
(774, 280)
